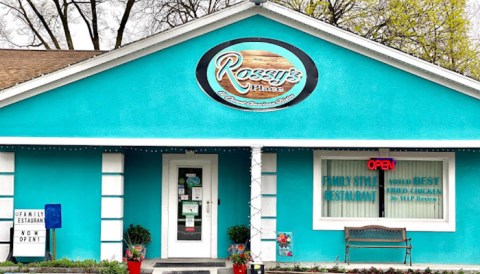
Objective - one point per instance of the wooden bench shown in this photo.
(384, 237)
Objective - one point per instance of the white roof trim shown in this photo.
(300, 143)
(225, 17)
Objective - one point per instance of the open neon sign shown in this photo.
(381, 163)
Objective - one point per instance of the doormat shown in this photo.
(192, 264)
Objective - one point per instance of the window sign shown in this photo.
(354, 189)
(349, 189)
(413, 190)
(381, 163)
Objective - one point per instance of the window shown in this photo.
(412, 189)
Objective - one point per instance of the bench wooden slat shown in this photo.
(374, 240)
(377, 246)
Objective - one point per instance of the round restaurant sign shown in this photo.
(257, 74)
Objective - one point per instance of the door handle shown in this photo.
(208, 206)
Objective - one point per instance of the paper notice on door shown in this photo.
(197, 193)
(181, 190)
(189, 208)
(190, 221)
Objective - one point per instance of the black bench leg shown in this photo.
(410, 257)
(347, 255)
(408, 252)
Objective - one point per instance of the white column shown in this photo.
(7, 175)
(269, 207)
(256, 204)
(112, 207)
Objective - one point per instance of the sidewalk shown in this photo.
(148, 266)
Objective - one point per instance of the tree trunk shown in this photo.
(95, 37)
(64, 18)
(123, 23)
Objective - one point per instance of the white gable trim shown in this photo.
(228, 16)
(299, 143)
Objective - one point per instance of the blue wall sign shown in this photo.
(257, 74)
(53, 216)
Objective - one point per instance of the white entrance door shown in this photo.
(189, 206)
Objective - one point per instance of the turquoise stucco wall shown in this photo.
(294, 207)
(143, 184)
(69, 178)
(143, 195)
(356, 98)
(234, 194)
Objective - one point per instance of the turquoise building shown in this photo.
(254, 115)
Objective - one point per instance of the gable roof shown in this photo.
(228, 16)
(18, 66)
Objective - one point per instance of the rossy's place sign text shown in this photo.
(257, 74)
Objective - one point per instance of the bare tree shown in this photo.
(110, 23)
(170, 13)
(48, 23)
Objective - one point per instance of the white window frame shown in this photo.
(338, 223)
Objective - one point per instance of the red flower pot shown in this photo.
(134, 267)
(239, 269)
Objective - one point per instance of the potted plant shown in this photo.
(240, 236)
(133, 258)
(240, 262)
(137, 237)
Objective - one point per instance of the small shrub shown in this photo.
(239, 234)
(114, 268)
(7, 263)
(137, 234)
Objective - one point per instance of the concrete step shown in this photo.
(191, 267)
(191, 270)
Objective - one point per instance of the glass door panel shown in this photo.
(190, 197)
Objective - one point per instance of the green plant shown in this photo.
(133, 254)
(113, 267)
(137, 235)
(85, 266)
(240, 259)
(239, 234)
(7, 263)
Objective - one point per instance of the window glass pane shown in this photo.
(189, 214)
(414, 190)
(349, 189)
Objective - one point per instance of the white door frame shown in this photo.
(166, 161)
